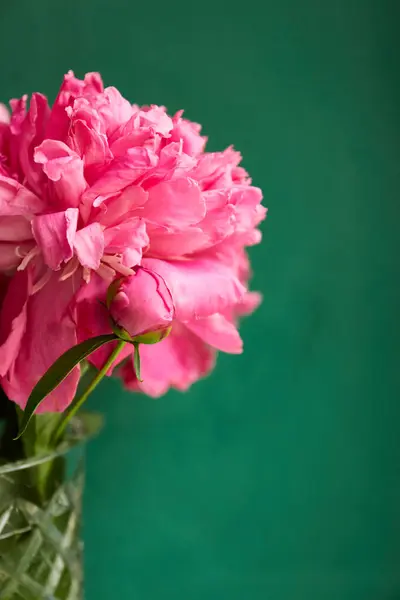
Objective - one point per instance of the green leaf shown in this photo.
(58, 371)
(37, 435)
(136, 361)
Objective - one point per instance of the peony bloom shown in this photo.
(95, 190)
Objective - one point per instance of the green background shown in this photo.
(278, 477)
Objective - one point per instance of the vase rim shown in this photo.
(81, 431)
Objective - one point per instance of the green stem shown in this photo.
(84, 368)
(75, 406)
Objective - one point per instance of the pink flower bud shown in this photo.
(143, 306)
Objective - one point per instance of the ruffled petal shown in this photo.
(15, 199)
(128, 240)
(199, 287)
(50, 331)
(125, 205)
(189, 133)
(218, 332)
(55, 234)
(13, 317)
(119, 174)
(15, 229)
(89, 245)
(64, 168)
(175, 203)
(91, 146)
(29, 133)
(71, 88)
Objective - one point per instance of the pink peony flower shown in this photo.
(97, 189)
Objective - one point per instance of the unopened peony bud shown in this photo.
(142, 306)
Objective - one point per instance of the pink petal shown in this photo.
(213, 169)
(117, 209)
(50, 331)
(4, 283)
(218, 332)
(93, 319)
(233, 213)
(119, 174)
(55, 234)
(193, 142)
(126, 142)
(15, 199)
(32, 134)
(166, 242)
(12, 254)
(218, 225)
(246, 201)
(91, 145)
(116, 110)
(174, 162)
(199, 287)
(93, 83)
(71, 88)
(89, 245)
(143, 303)
(13, 316)
(18, 113)
(156, 118)
(15, 229)
(127, 239)
(249, 304)
(64, 168)
(84, 110)
(177, 361)
(220, 220)
(4, 114)
(175, 203)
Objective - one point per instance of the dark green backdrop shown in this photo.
(279, 477)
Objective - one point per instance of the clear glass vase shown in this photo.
(40, 517)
